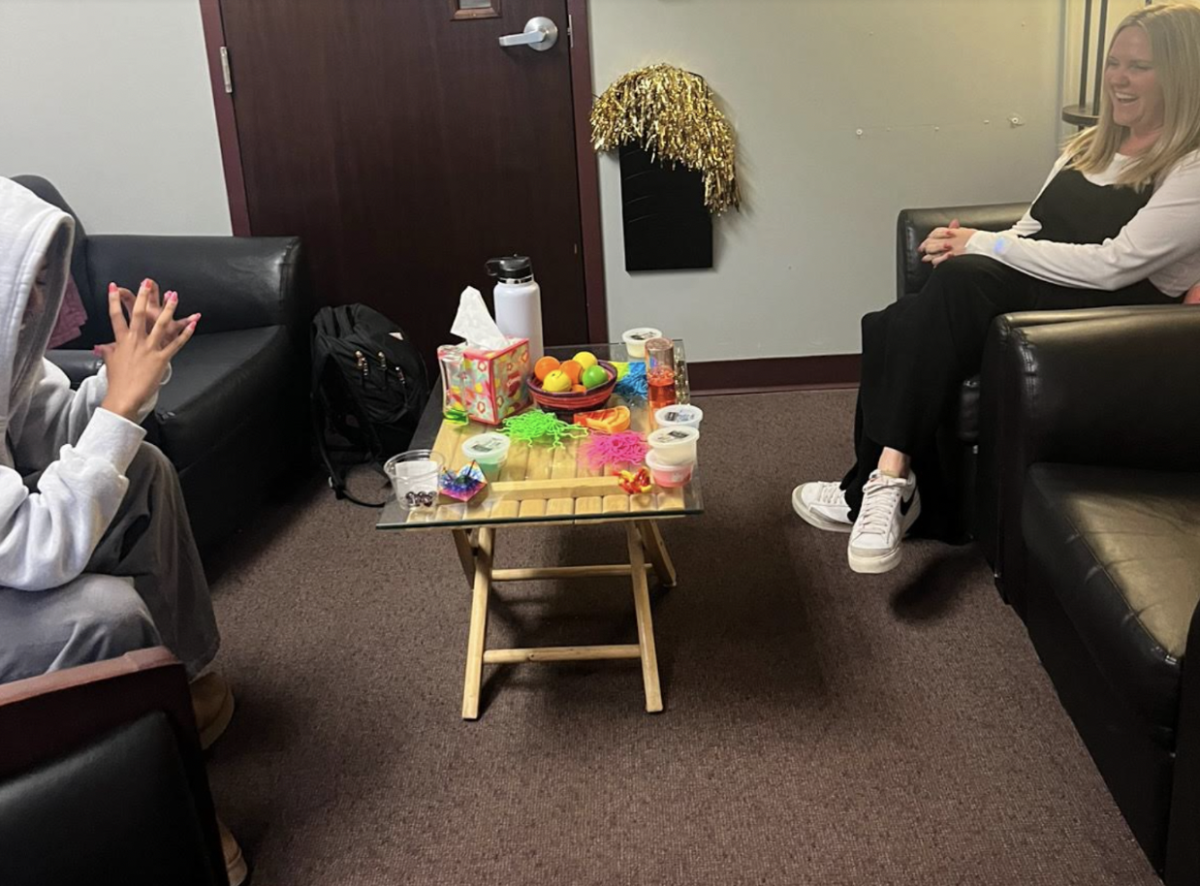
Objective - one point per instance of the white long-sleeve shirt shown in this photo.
(1161, 242)
(47, 537)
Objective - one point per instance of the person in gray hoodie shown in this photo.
(97, 556)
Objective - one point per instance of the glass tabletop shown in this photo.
(540, 483)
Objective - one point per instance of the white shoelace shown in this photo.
(830, 494)
(881, 498)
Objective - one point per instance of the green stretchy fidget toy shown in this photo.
(541, 428)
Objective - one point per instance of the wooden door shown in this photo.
(406, 148)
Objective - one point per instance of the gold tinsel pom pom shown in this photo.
(671, 113)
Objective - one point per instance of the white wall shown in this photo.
(110, 100)
(932, 85)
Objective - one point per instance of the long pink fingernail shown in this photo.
(172, 296)
(147, 282)
(112, 287)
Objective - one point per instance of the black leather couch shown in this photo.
(1098, 463)
(234, 418)
(102, 779)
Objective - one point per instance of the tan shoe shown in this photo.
(235, 863)
(212, 703)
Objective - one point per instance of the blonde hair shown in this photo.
(1174, 33)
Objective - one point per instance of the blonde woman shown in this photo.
(1117, 223)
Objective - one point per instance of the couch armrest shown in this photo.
(78, 365)
(992, 425)
(45, 718)
(235, 282)
(914, 225)
(1118, 390)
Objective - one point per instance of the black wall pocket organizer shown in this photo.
(667, 226)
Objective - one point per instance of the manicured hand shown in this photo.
(138, 359)
(154, 305)
(945, 243)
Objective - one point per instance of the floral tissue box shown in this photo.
(488, 385)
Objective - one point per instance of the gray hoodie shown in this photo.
(47, 536)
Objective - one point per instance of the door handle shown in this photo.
(540, 34)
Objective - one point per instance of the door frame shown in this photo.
(586, 169)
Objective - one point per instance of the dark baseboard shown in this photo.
(775, 374)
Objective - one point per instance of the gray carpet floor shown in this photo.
(820, 727)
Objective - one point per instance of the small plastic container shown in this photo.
(635, 341)
(679, 416)
(668, 476)
(414, 475)
(674, 445)
(489, 451)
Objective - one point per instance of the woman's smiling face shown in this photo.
(1133, 88)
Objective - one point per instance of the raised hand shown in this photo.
(153, 304)
(138, 359)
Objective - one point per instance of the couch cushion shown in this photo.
(218, 382)
(1121, 550)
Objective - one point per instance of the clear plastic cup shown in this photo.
(489, 451)
(681, 415)
(414, 475)
(635, 341)
(674, 445)
(666, 475)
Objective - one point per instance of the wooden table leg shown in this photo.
(473, 681)
(645, 624)
(656, 550)
(466, 553)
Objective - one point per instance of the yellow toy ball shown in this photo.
(556, 382)
(586, 359)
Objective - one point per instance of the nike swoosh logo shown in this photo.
(906, 505)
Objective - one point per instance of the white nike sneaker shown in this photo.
(890, 506)
(822, 504)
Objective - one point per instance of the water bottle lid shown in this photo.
(511, 268)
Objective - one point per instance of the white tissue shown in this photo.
(475, 324)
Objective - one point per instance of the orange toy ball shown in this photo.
(544, 367)
(573, 370)
(578, 389)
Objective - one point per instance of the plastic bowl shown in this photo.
(569, 401)
(415, 472)
(635, 341)
(683, 415)
(667, 476)
(489, 451)
(674, 445)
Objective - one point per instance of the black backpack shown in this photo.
(369, 387)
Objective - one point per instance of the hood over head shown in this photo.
(35, 255)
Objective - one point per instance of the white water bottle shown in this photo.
(518, 301)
